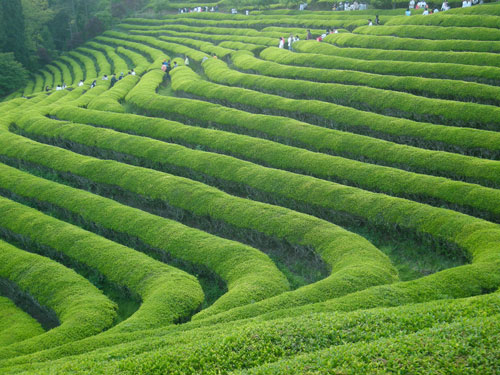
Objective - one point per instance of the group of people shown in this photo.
(105, 77)
(421, 4)
(309, 36)
(347, 6)
(469, 3)
(114, 79)
(199, 9)
(291, 39)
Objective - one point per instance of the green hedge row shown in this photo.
(265, 41)
(339, 335)
(48, 80)
(76, 69)
(465, 347)
(462, 58)
(39, 83)
(110, 100)
(440, 88)
(197, 44)
(151, 54)
(102, 64)
(81, 309)
(167, 293)
(249, 274)
(491, 9)
(56, 74)
(200, 30)
(331, 115)
(247, 344)
(119, 65)
(367, 176)
(389, 42)
(260, 23)
(67, 77)
(391, 103)
(158, 44)
(319, 139)
(447, 20)
(15, 324)
(268, 32)
(313, 56)
(433, 32)
(255, 48)
(30, 85)
(88, 64)
(141, 63)
(353, 258)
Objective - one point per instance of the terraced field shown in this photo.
(333, 208)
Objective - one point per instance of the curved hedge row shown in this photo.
(367, 176)
(81, 309)
(317, 138)
(433, 32)
(198, 44)
(67, 77)
(328, 114)
(388, 42)
(56, 74)
(446, 89)
(206, 350)
(110, 99)
(260, 23)
(141, 63)
(167, 293)
(119, 65)
(76, 69)
(15, 324)
(151, 53)
(270, 32)
(462, 58)
(90, 71)
(312, 57)
(448, 343)
(391, 103)
(101, 62)
(447, 20)
(126, 39)
(250, 275)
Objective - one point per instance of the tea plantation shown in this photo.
(226, 206)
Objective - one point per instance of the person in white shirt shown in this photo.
(58, 88)
(186, 61)
(132, 72)
(425, 12)
(80, 84)
(105, 77)
(290, 41)
(282, 42)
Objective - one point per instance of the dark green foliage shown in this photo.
(12, 37)
(13, 76)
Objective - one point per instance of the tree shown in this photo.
(37, 15)
(13, 76)
(12, 30)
